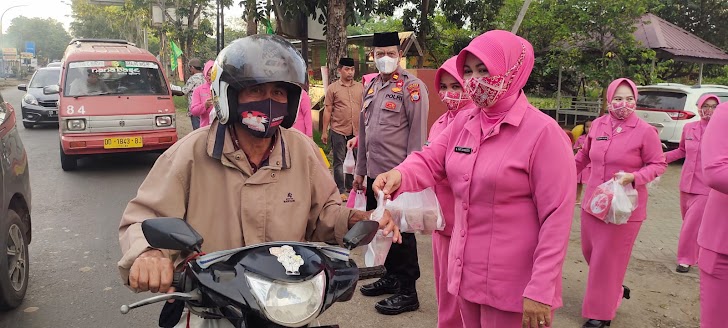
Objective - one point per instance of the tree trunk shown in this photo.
(335, 36)
(422, 35)
(250, 8)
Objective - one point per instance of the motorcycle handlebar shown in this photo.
(178, 281)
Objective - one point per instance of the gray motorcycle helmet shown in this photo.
(253, 60)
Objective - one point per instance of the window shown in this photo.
(662, 100)
(94, 78)
(45, 77)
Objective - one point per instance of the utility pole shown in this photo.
(217, 28)
(522, 14)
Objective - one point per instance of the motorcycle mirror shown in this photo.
(361, 233)
(171, 233)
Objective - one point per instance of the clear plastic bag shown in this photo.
(360, 201)
(378, 249)
(612, 202)
(349, 162)
(417, 212)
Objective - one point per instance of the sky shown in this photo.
(60, 10)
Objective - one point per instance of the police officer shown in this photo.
(392, 124)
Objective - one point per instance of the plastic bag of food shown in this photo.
(349, 162)
(612, 202)
(378, 249)
(417, 212)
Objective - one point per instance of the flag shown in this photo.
(174, 53)
(268, 27)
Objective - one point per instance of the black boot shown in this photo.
(385, 285)
(625, 293)
(593, 323)
(398, 304)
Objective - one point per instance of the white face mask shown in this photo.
(386, 64)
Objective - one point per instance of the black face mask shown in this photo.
(262, 118)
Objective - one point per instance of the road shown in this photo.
(74, 281)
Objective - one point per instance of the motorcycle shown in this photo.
(268, 285)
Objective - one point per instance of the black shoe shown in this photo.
(592, 323)
(682, 268)
(625, 293)
(397, 304)
(385, 285)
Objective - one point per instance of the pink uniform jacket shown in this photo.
(634, 147)
(442, 190)
(514, 191)
(303, 120)
(714, 229)
(691, 179)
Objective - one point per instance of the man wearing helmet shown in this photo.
(243, 180)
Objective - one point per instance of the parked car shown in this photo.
(669, 106)
(36, 107)
(15, 208)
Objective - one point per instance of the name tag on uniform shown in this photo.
(463, 150)
(688, 138)
(602, 138)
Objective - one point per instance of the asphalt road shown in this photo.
(74, 281)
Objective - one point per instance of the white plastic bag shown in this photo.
(360, 201)
(349, 162)
(417, 212)
(378, 249)
(613, 202)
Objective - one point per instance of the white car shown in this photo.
(669, 106)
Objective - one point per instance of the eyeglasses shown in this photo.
(380, 54)
(709, 106)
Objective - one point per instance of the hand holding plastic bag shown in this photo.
(349, 162)
(378, 249)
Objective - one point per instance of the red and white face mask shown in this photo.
(454, 100)
(622, 109)
(485, 91)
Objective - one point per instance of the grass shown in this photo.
(181, 104)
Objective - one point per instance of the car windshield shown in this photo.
(94, 78)
(45, 77)
(664, 100)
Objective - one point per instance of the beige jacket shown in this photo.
(294, 198)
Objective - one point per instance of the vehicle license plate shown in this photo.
(127, 142)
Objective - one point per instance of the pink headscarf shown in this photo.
(616, 83)
(500, 51)
(450, 66)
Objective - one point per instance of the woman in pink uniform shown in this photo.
(582, 177)
(202, 98)
(512, 173)
(452, 94)
(620, 141)
(693, 191)
(713, 235)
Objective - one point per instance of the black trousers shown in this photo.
(402, 262)
(338, 146)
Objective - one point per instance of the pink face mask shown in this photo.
(621, 109)
(487, 90)
(453, 100)
(706, 112)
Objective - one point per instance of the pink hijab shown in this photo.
(499, 51)
(450, 66)
(616, 83)
(702, 101)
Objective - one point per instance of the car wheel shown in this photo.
(28, 125)
(14, 264)
(68, 162)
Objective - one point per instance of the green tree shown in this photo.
(109, 22)
(375, 24)
(49, 35)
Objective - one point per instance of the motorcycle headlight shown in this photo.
(289, 304)
(30, 99)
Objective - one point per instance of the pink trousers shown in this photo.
(607, 249)
(713, 289)
(448, 310)
(483, 316)
(692, 207)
